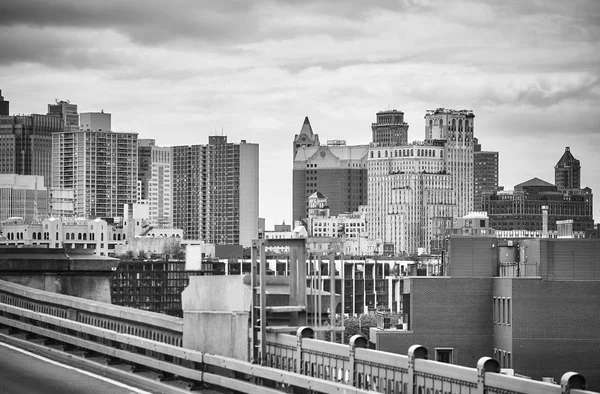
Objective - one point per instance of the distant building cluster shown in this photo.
(387, 196)
(68, 165)
(407, 196)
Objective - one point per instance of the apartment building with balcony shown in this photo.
(215, 191)
(100, 166)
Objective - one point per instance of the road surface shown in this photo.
(25, 372)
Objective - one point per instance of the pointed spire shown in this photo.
(306, 127)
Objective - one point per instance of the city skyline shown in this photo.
(531, 79)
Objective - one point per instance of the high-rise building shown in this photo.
(411, 200)
(416, 190)
(100, 166)
(26, 144)
(336, 170)
(390, 129)
(67, 112)
(215, 191)
(567, 172)
(455, 128)
(23, 196)
(485, 173)
(4, 105)
(154, 175)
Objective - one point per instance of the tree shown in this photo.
(354, 325)
(127, 255)
(142, 255)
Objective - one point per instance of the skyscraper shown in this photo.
(336, 170)
(26, 144)
(411, 200)
(485, 172)
(4, 105)
(416, 190)
(100, 166)
(455, 128)
(567, 172)
(154, 174)
(67, 112)
(390, 129)
(215, 191)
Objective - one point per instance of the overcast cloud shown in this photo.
(181, 71)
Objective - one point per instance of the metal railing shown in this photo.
(294, 363)
(34, 315)
(355, 365)
(161, 328)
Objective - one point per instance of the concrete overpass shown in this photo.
(143, 342)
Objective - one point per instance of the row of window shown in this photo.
(409, 153)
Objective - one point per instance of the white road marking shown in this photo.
(93, 375)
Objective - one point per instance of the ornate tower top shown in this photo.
(306, 138)
(567, 172)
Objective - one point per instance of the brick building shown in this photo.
(336, 170)
(532, 304)
(521, 208)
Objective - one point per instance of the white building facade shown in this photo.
(417, 190)
(154, 181)
(100, 167)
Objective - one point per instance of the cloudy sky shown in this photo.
(180, 71)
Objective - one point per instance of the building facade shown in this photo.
(519, 301)
(411, 200)
(4, 105)
(417, 190)
(215, 191)
(567, 172)
(98, 121)
(390, 129)
(154, 174)
(67, 112)
(456, 129)
(336, 170)
(23, 196)
(69, 233)
(101, 168)
(26, 144)
(485, 173)
(521, 208)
